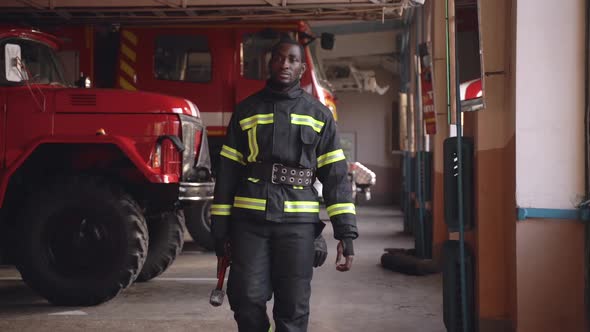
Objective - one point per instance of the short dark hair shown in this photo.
(290, 41)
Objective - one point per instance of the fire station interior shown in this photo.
(465, 125)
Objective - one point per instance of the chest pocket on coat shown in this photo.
(309, 140)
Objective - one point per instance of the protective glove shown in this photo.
(221, 247)
(321, 251)
(220, 234)
(345, 248)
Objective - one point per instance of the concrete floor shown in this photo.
(368, 298)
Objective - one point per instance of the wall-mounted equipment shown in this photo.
(451, 185)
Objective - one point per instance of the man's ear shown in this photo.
(303, 68)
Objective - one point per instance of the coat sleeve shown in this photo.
(230, 169)
(332, 171)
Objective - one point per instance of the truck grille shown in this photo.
(193, 160)
(83, 100)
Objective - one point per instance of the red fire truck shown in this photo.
(213, 65)
(92, 182)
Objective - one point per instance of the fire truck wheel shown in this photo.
(198, 223)
(166, 240)
(82, 241)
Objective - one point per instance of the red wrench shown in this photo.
(217, 295)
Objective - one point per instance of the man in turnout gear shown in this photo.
(265, 205)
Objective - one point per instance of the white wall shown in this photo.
(368, 115)
(549, 103)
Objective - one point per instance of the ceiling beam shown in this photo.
(31, 3)
(186, 11)
(168, 3)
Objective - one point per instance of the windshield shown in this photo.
(39, 59)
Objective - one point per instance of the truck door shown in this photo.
(192, 63)
(27, 112)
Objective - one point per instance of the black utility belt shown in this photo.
(281, 174)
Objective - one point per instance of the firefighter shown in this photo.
(278, 141)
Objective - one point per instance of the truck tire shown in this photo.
(82, 241)
(198, 223)
(166, 232)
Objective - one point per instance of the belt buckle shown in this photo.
(274, 174)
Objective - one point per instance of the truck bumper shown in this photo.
(196, 191)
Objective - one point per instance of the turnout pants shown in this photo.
(271, 258)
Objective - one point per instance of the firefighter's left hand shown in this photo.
(345, 249)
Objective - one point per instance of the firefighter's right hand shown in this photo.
(220, 234)
(221, 247)
(344, 248)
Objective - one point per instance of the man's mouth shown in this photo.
(285, 75)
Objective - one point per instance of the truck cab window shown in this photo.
(41, 63)
(182, 58)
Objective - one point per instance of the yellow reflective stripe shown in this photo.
(221, 209)
(331, 157)
(257, 119)
(128, 52)
(232, 154)
(130, 36)
(123, 83)
(306, 120)
(250, 203)
(302, 206)
(126, 68)
(340, 208)
(253, 180)
(297, 187)
(252, 144)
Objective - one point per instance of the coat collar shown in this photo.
(290, 93)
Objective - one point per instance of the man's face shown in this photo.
(286, 65)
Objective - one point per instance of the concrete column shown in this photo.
(493, 131)
(549, 121)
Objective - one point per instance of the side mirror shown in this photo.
(327, 41)
(12, 56)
